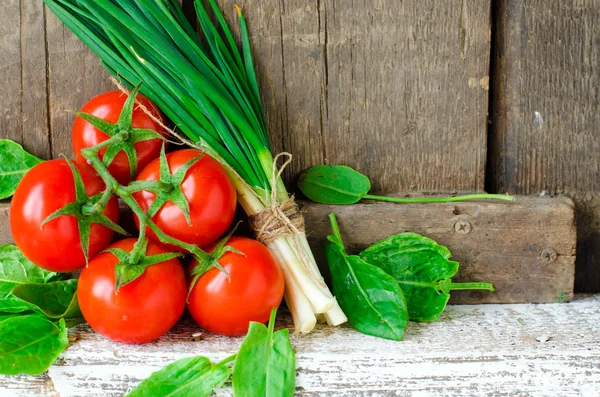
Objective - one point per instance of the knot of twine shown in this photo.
(278, 219)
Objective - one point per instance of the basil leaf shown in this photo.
(15, 270)
(266, 364)
(55, 300)
(371, 299)
(30, 344)
(14, 163)
(192, 376)
(333, 184)
(422, 269)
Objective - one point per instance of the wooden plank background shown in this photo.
(474, 350)
(526, 248)
(398, 90)
(546, 120)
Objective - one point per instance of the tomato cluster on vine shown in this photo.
(64, 216)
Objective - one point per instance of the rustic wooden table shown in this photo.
(474, 350)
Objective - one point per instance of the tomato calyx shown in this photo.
(125, 135)
(132, 264)
(87, 210)
(169, 186)
(205, 263)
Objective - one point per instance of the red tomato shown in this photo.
(209, 191)
(226, 306)
(108, 106)
(139, 311)
(56, 246)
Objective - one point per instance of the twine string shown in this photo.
(278, 219)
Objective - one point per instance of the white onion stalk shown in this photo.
(306, 294)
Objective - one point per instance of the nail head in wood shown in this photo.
(463, 227)
(548, 255)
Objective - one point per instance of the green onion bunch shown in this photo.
(210, 92)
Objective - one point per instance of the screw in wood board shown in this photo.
(463, 227)
(548, 255)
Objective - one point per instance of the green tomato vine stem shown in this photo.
(124, 192)
(469, 286)
(227, 360)
(407, 200)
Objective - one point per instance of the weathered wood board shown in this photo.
(395, 89)
(477, 350)
(544, 132)
(23, 99)
(405, 80)
(525, 248)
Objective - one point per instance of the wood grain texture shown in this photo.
(10, 71)
(75, 76)
(476, 350)
(398, 90)
(504, 246)
(407, 92)
(23, 103)
(545, 135)
(335, 80)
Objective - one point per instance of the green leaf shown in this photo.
(333, 184)
(371, 299)
(55, 300)
(188, 377)
(126, 116)
(144, 134)
(266, 364)
(423, 270)
(14, 163)
(126, 271)
(107, 127)
(30, 344)
(16, 270)
(4, 317)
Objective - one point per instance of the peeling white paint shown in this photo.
(519, 350)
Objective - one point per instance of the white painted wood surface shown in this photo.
(479, 350)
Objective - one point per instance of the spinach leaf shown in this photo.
(191, 376)
(14, 163)
(55, 300)
(29, 344)
(371, 299)
(15, 270)
(7, 316)
(338, 184)
(266, 363)
(423, 270)
(334, 184)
